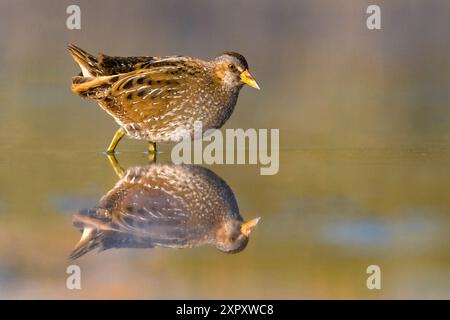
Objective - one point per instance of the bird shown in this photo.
(159, 98)
(164, 205)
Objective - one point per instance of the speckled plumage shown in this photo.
(163, 205)
(160, 98)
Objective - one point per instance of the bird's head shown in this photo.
(232, 70)
(233, 236)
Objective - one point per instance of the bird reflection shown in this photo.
(164, 205)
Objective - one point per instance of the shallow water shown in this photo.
(325, 217)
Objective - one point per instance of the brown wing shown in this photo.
(104, 65)
(116, 65)
(147, 210)
(157, 90)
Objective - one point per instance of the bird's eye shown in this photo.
(232, 67)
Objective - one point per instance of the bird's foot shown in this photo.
(151, 156)
(110, 152)
(152, 148)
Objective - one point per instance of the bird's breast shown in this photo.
(212, 110)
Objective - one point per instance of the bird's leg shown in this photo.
(152, 152)
(152, 147)
(115, 165)
(117, 137)
(151, 157)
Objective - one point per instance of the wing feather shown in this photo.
(155, 91)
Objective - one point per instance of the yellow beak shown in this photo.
(246, 227)
(247, 78)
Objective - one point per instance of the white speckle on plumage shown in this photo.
(151, 88)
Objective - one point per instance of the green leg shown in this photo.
(152, 148)
(117, 137)
(115, 165)
(152, 152)
(152, 157)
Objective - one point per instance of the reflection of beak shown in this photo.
(247, 78)
(246, 227)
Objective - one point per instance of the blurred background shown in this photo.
(364, 119)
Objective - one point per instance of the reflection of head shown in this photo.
(167, 206)
(233, 235)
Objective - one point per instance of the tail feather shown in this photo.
(88, 63)
(94, 88)
(94, 224)
(90, 239)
